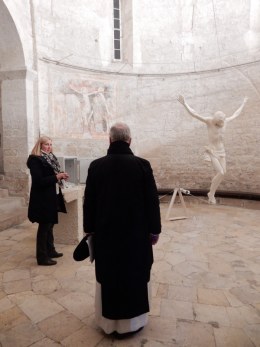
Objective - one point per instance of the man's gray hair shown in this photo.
(120, 132)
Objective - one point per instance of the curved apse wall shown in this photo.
(208, 52)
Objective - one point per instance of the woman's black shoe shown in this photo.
(47, 262)
(56, 255)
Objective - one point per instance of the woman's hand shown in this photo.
(62, 176)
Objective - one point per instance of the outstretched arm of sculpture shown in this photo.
(238, 111)
(192, 112)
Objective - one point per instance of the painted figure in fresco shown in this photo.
(86, 109)
(98, 117)
(215, 151)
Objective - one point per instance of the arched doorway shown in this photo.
(16, 105)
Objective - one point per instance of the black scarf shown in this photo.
(52, 160)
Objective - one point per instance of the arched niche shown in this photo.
(16, 105)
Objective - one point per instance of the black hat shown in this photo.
(81, 252)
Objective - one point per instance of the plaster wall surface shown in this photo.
(84, 105)
(168, 36)
(182, 36)
(75, 32)
(207, 51)
(22, 28)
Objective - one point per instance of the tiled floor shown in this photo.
(205, 279)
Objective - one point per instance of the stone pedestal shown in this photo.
(69, 230)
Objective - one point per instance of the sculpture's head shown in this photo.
(219, 119)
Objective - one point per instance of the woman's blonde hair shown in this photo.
(37, 147)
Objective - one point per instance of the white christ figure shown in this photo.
(215, 151)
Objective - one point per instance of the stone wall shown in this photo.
(82, 105)
(17, 94)
(207, 51)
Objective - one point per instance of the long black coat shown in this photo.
(44, 203)
(121, 208)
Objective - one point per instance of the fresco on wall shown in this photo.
(83, 108)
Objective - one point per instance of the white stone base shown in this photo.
(69, 230)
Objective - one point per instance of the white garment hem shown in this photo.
(121, 326)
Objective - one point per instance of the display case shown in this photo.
(83, 169)
(71, 166)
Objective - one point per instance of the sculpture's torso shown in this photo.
(216, 139)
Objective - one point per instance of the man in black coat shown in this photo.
(121, 210)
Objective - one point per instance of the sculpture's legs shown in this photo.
(219, 164)
(214, 185)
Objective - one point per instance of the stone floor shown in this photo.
(206, 287)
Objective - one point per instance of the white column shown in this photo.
(17, 94)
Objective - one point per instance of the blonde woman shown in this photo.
(46, 199)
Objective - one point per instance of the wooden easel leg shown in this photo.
(171, 203)
(183, 203)
(176, 191)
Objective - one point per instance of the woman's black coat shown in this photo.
(44, 203)
(121, 208)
